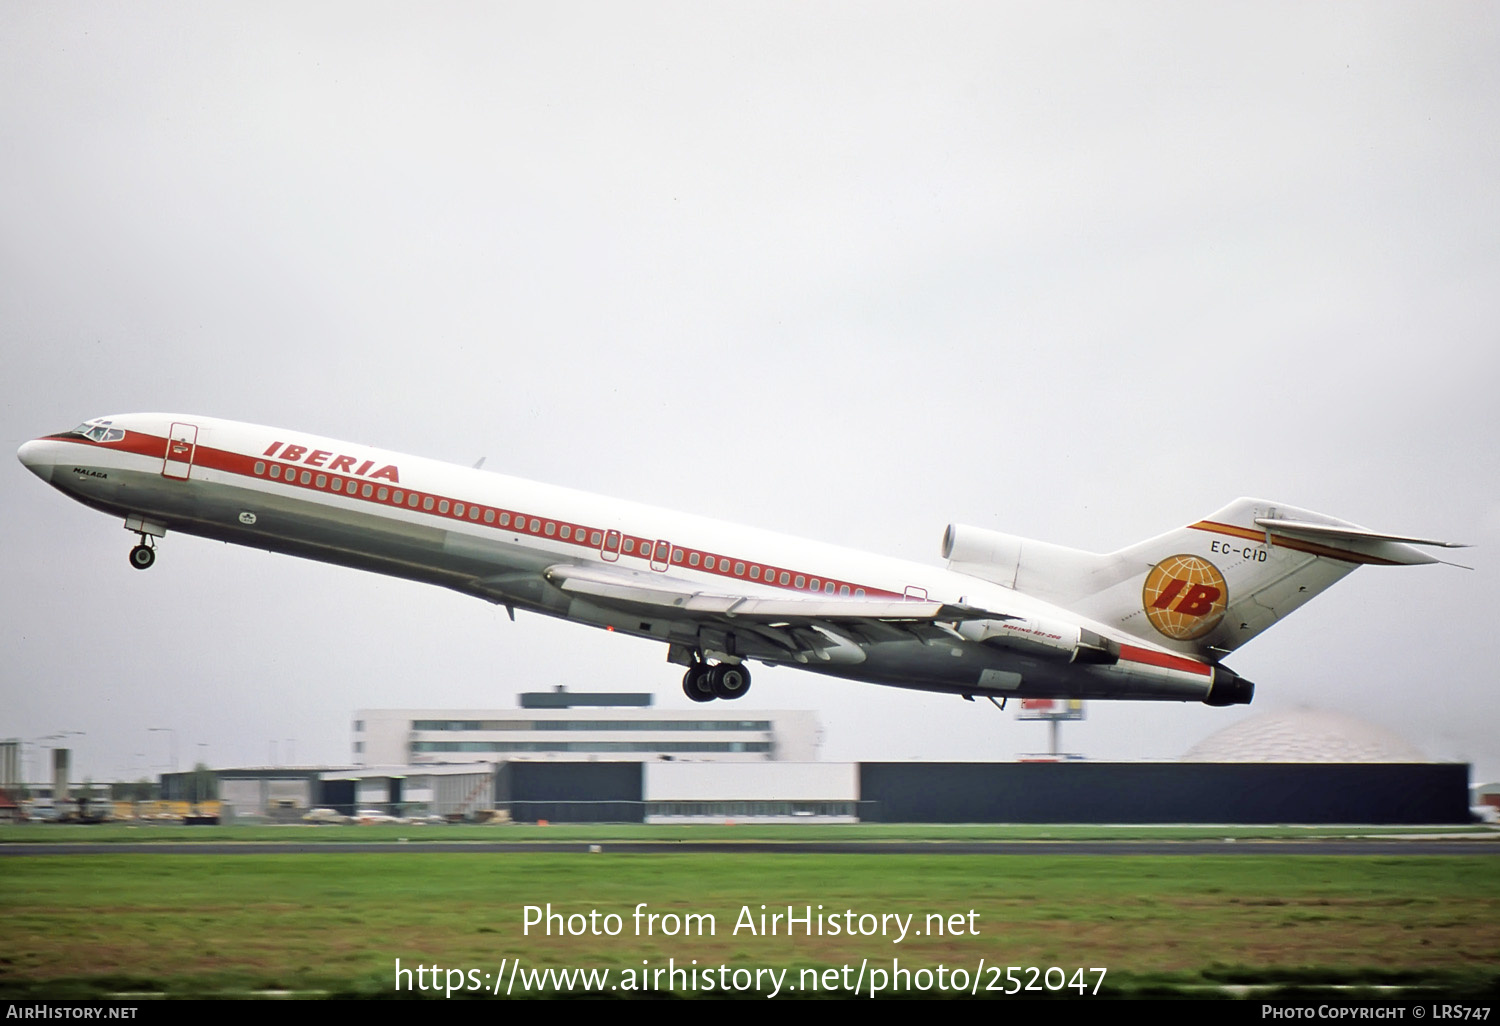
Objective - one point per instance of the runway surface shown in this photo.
(1117, 848)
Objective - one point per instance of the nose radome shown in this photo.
(33, 455)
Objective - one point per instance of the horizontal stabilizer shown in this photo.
(1308, 529)
(1376, 546)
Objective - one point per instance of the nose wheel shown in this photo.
(142, 556)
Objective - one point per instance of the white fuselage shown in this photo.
(498, 537)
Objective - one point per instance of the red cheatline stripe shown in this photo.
(1281, 540)
(1153, 658)
(228, 462)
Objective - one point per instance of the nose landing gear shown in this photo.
(143, 555)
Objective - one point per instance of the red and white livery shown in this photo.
(1007, 616)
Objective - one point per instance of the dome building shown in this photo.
(1304, 735)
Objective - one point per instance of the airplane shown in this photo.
(1007, 618)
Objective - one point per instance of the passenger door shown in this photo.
(182, 445)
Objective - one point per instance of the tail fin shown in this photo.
(1207, 588)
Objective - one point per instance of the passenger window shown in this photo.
(677, 555)
(551, 529)
(785, 578)
(397, 496)
(367, 491)
(535, 524)
(596, 538)
(708, 562)
(739, 569)
(427, 502)
(799, 581)
(489, 516)
(307, 477)
(755, 573)
(411, 500)
(843, 589)
(859, 593)
(566, 532)
(828, 587)
(260, 468)
(504, 519)
(693, 559)
(322, 480)
(458, 509)
(275, 471)
(442, 505)
(629, 544)
(381, 494)
(473, 512)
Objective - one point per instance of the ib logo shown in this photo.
(1185, 597)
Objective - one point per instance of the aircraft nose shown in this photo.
(36, 458)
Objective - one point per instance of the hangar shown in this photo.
(637, 791)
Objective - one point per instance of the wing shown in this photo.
(659, 593)
(823, 627)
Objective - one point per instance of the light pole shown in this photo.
(199, 769)
(172, 735)
(173, 732)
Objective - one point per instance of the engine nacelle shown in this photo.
(986, 554)
(1229, 688)
(1053, 639)
(1038, 568)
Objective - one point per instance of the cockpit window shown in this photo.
(98, 431)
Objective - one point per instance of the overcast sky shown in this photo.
(1080, 272)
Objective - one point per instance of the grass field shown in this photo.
(336, 923)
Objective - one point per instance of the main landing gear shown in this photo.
(143, 555)
(704, 683)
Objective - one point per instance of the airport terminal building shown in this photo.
(571, 726)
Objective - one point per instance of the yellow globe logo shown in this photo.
(1185, 597)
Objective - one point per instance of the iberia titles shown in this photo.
(330, 462)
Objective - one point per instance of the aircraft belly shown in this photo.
(980, 670)
(642, 625)
(292, 525)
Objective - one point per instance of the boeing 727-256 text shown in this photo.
(1008, 617)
